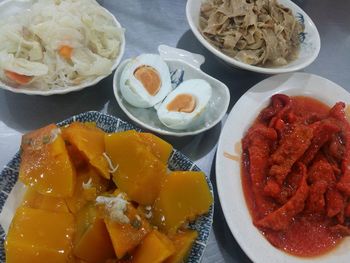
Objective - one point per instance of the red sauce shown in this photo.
(296, 174)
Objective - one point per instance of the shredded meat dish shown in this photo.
(256, 32)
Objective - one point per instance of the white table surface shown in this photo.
(149, 23)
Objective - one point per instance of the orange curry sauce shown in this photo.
(296, 174)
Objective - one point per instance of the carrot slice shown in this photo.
(18, 78)
(66, 52)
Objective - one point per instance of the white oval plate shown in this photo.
(12, 7)
(228, 172)
(187, 64)
(309, 47)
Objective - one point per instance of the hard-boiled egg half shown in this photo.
(145, 81)
(184, 107)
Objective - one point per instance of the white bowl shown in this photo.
(228, 171)
(189, 64)
(12, 7)
(309, 47)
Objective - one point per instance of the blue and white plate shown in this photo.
(177, 161)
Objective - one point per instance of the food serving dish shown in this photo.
(183, 65)
(309, 40)
(11, 193)
(228, 171)
(15, 7)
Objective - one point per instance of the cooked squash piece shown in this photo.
(38, 201)
(88, 185)
(126, 236)
(78, 159)
(124, 260)
(39, 236)
(45, 163)
(138, 169)
(89, 141)
(160, 148)
(72, 213)
(84, 218)
(92, 242)
(184, 196)
(155, 248)
(183, 243)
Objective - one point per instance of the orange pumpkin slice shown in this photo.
(140, 173)
(89, 141)
(155, 248)
(183, 197)
(39, 236)
(45, 163)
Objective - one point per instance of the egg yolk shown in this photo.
(182, 103)
(149, 78)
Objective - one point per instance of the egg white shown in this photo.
(201, 90)
(132, 89)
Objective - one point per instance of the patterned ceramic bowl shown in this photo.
(8, 178)
(310, 43)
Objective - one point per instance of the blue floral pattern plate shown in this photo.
(177, 161)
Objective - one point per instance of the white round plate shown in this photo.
(13, 7)
(228, 171)
(310, 43)
(183, 65)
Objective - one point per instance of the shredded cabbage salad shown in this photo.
(57, 44)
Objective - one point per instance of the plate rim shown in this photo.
(235, 227)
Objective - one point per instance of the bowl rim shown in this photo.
(159, 130)
(245, 66)
(70, 88)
